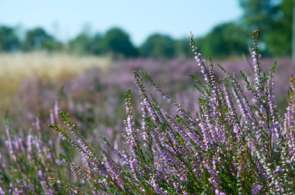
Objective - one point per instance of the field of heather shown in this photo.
(92, 125)
(153, 97)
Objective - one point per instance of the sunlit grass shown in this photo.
(15, 68)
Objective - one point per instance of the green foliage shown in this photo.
(158, 45)
(279, 36)
(80, 44)
(39, 39)
(8, 39)
(258, 14)
(182, 47)
(274, 19)
(95, 46)
(225, 40)
(117, 42)
(85, 43)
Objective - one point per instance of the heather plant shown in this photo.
(237, 143)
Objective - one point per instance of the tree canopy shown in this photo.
(81, 43)
(39, 39)
(8, 39)
(158, 45)
(117, 42)
(227, 39)
(272, 17)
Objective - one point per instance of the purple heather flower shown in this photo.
(2, 191)
(9, 144)
(56, 110)
(256, 189)
(256, 68)
(36, 124)
(51, 118)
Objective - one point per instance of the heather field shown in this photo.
(145, 126)
(147, 97)
(31, 83)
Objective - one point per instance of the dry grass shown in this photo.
(15, 68)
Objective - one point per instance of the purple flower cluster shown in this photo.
(234, 142)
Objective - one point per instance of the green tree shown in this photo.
(39, 39)
(95, 46)
(158, 45)
(274, 19)
(258, 13)
(80, 44)
(225, 40)
(117, 42)
(279, 37)
(183, 48)
(8, 39)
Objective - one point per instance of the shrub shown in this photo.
(237, 144)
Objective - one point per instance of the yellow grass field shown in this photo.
(14, 68)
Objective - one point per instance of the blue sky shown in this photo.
(139, 18)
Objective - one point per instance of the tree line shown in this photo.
(115, 42)
(272, 18)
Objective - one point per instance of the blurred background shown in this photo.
(133, 29)
(82, 53)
